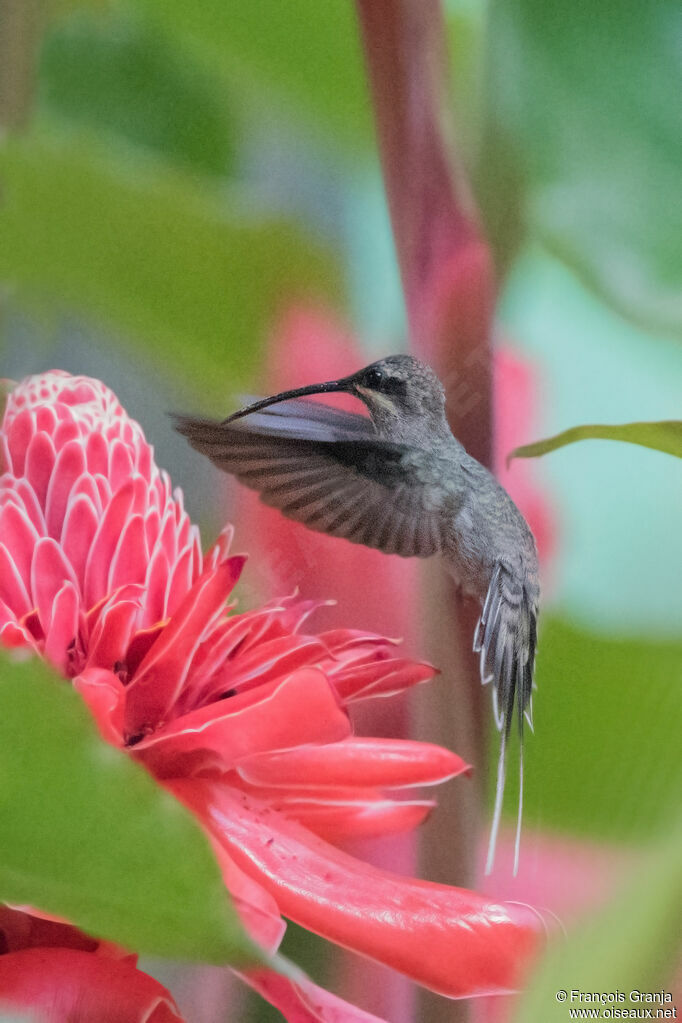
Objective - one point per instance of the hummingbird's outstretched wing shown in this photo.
(329, 470)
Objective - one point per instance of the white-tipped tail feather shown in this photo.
(506, 639)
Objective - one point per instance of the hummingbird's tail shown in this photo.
(506, 639)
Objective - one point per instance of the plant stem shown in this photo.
(20, 35)
(448, 282)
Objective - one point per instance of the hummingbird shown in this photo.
(399, 481)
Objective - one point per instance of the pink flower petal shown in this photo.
(14, 636)
(169, 534)
(342, 640)
(97, 454)
(230, 638)
(19, 536)
(40, 459)
(29, 504)
(257, 626)
(163, 671)
(46, 419)
(394, 763)
(221, 547)
(104, 694)
(78, 531)
(120, 464)
(274, 658)
(66, 432)
(156, 583)
(6, 614)
(111, 636)
(69, 466)
(451, 940)
(145, 460)
(152, 521)
(70, 986)
(380, 678)
(257, 909)
(106, 539)
(24, 928)
(286, 615)
(130, 591)
(209, 668)
(339, 814)
(93, 487)
(140, 645)
(49, 571)
(302, 1001)
(130, 559)
(61, 634)
(265, 718)
(355, 820)
(13, 590)
(179, 581)
(18, 437)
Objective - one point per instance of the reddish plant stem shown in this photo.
(448, 282)
(445, 263)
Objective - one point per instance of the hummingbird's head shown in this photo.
(401, 386)
(400, 392)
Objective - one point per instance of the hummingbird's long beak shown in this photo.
(346, 384)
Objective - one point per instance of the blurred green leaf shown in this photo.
(88, 835)
(300, 55)
(115, 74)
(192, 278)
(584, 144)
(605, 757)
(633, 945)
(663, 436)
(59, 8)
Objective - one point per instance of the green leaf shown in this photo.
(632, 945)
(604, 761)
(88, 835)
(117, 76)
(59, 8)
(175, 267)
(300, 55)
(584, 143)
(663, 436)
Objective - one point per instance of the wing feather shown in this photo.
(329, 470)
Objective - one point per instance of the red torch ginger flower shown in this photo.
(243, 716)
(56, 970)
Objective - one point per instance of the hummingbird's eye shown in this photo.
(374, 378)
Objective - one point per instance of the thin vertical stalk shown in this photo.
(20, 34)
(448, 282)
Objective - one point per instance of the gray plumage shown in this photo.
(400, 482)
